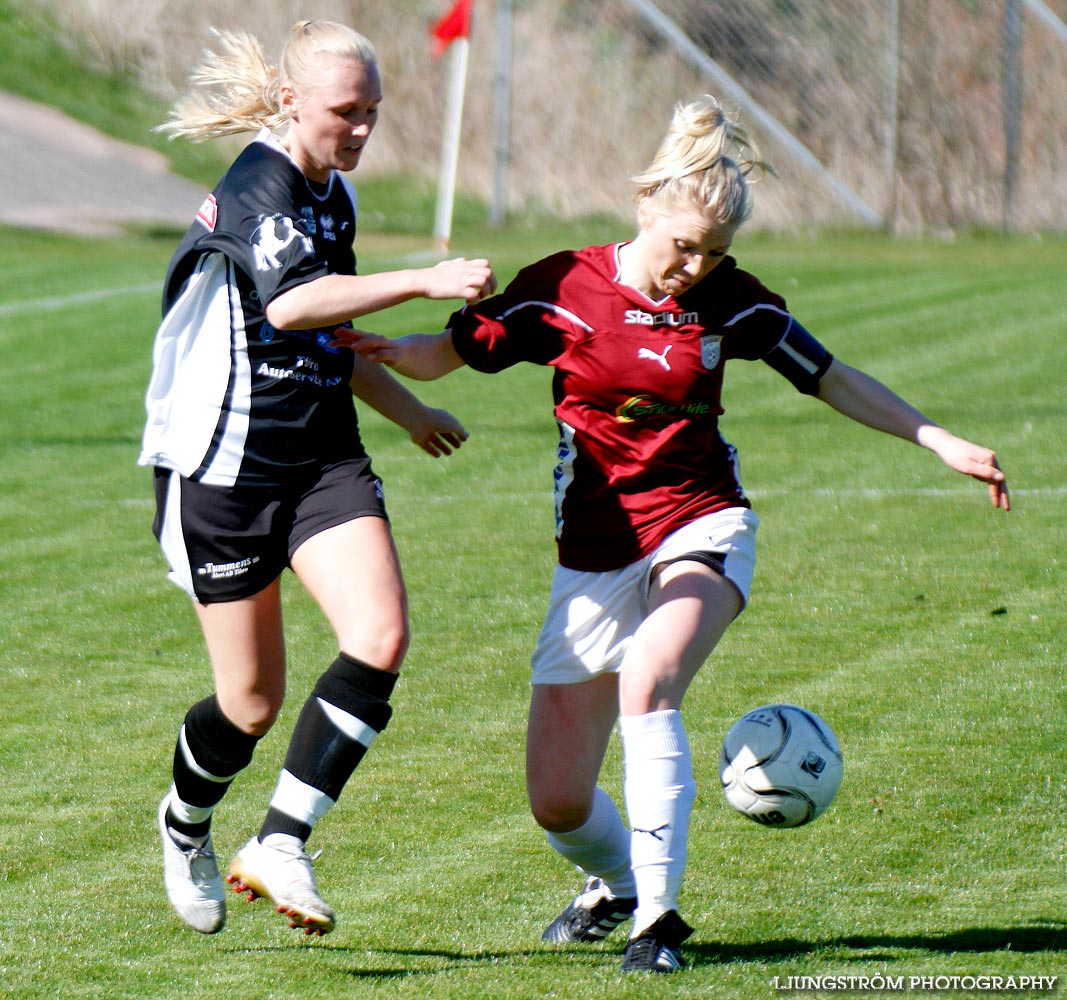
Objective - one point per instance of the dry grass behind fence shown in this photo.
(928, 140)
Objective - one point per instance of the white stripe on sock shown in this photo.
(298, 799)
(353, 728)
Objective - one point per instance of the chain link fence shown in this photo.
(912, 115)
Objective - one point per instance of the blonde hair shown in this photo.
(237, 90)
(705, 161)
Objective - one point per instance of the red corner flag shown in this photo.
(455, 24)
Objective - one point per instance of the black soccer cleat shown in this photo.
(658, 947)
(592, 915)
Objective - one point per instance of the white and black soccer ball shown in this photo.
(780, 765)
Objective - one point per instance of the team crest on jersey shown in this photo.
(710, 351)
(272, 236)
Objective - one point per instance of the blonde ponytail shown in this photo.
(236, 89)
(232, 90)
(704, 160)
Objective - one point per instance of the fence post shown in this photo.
(498, 207)
(1011, 104)
(892, 116)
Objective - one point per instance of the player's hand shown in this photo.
(979, 463)
(372, 346)
(470, 280)
(439, 433)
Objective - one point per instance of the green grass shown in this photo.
(926, 627)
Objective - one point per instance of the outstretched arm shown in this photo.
(423, 356)
(866, 400)
(434, 430)
(337, 298)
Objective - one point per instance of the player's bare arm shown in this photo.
(422, 356)
(866, 400)
(336, 298)
(434, 430)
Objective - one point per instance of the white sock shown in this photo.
(660, 790)
(600, 846)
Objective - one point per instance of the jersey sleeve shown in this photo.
(277, 251)
(765, 330)
(800, 358)
(526, 322)
(260, 224)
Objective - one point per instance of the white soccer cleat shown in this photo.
(191, 875)
(279, 870)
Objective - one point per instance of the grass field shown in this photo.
(890, 598)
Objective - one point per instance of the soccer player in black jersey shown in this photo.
(258, 461)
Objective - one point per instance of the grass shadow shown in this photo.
(1029, 939)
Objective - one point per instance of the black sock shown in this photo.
(211, 751)
(323, 754)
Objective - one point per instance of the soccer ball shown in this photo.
(780, 765)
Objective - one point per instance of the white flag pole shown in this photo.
(446, 185)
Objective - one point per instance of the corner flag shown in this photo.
(455, 26)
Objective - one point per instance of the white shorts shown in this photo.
(592, 616)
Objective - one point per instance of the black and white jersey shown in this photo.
(233, 401)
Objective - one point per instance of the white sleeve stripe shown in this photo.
(809, 366)
(355, 729)
(806, 363)
(558, 310)
(762, 305)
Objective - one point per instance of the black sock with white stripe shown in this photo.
(211, 751)
(347, 710)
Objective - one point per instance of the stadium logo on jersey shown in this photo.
(307, 213)
(638, 317)
(710, 351)
(327, 223)
(271, 237)
(208, 213)
(643, 407)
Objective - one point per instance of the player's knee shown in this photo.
(641, 692)
(383, 644)
(253, 713)
(557, 813)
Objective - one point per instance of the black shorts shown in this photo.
(226, 543)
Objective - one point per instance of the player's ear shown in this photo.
(647, 213)
(287, 101)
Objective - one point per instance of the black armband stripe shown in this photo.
(800, 358)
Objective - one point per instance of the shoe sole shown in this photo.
(245, 882)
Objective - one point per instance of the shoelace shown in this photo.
(644, 949)
(195, 854)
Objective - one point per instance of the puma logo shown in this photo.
(651, 355)
(666, 826)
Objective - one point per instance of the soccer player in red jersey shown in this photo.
(656, 537)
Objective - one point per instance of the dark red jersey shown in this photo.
(637, 390)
